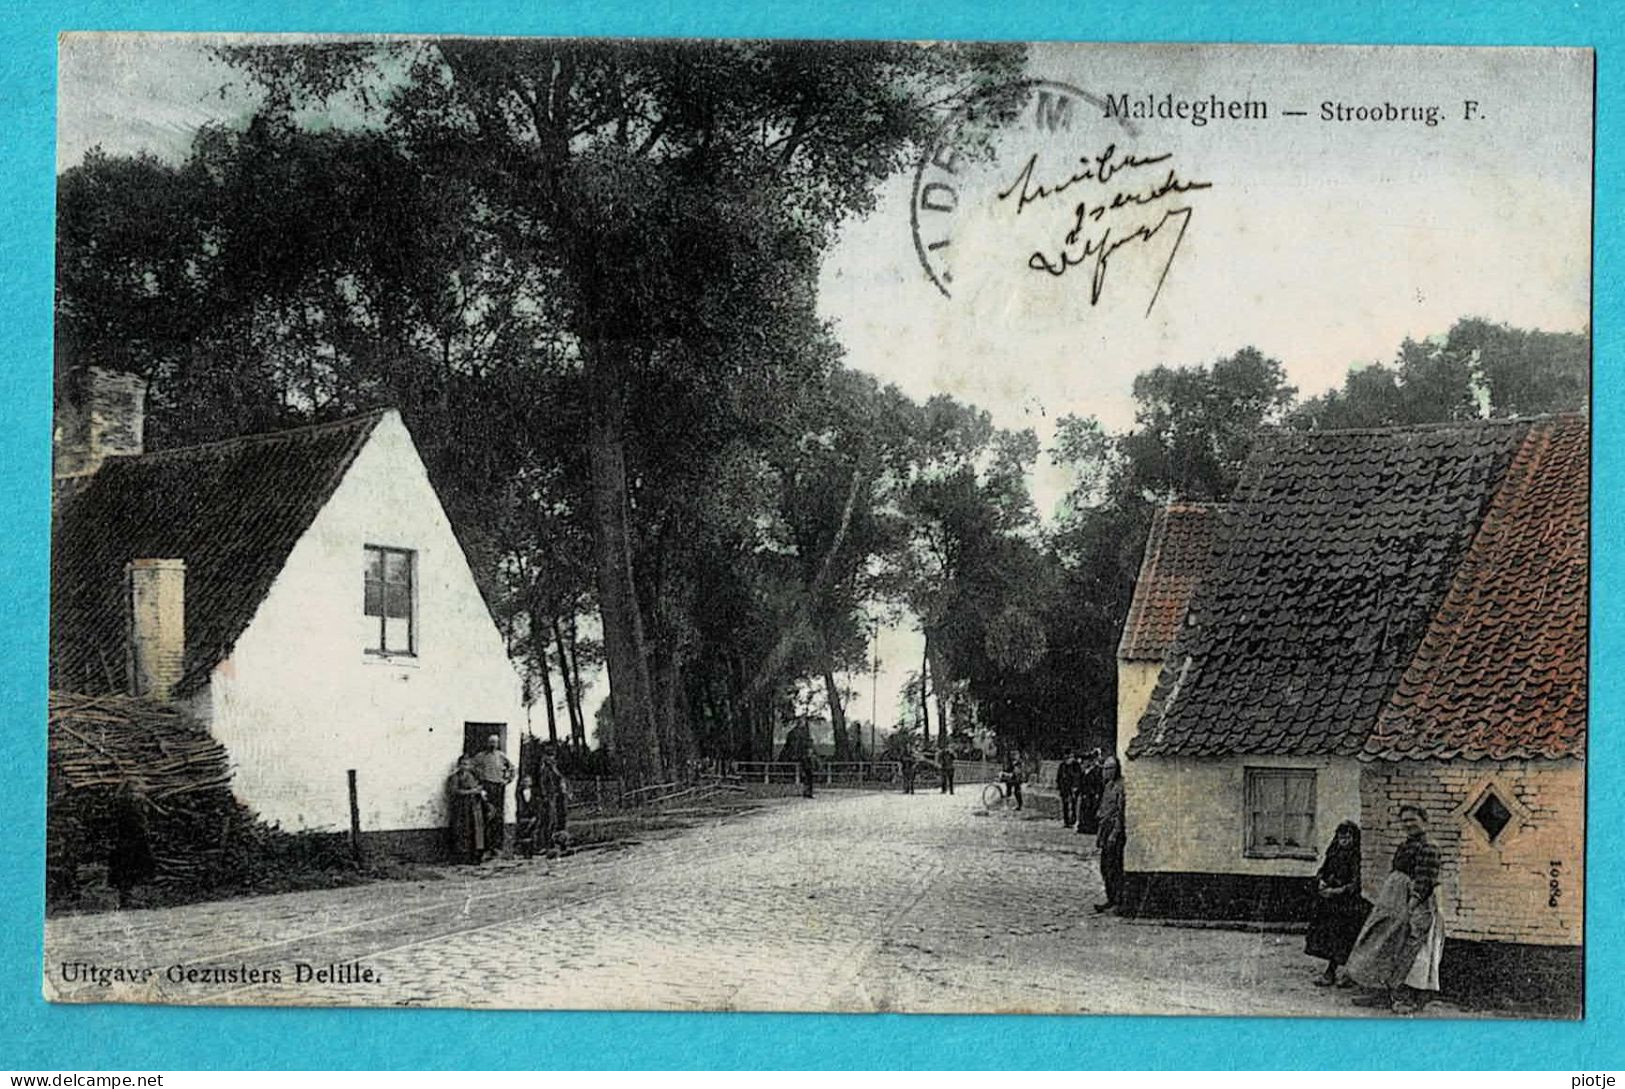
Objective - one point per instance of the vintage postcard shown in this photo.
(831, 526)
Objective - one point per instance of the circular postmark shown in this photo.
(1054, 182)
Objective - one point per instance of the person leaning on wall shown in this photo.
(1111, 835)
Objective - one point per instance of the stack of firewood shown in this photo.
(107, 741)
(205, 843)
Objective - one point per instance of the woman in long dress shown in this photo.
(1340, 910)
(467, 812)
(1400, 945)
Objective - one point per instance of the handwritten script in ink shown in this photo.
(1145, 187)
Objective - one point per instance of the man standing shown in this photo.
(1111, 835)
(1091, 785)
(1399, 947)
(496, 772)
(1069, 781)
(910, 769)
(945, 761)
(809, 766)
(554, 796)
(1013, 775)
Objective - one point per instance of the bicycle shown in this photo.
(997, 794)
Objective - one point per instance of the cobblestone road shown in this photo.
(846, 902)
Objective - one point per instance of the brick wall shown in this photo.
(1501, 891)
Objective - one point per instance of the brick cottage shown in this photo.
(1378, 617)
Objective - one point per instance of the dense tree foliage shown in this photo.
(639, 223)
(1476, 369)
(674, 200)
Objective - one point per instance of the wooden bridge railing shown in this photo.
(829, 772)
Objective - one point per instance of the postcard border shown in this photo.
(82, 1037)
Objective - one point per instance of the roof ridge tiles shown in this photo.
(260, 438)
(1270, 430)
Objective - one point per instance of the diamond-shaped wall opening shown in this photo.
(1492, 815)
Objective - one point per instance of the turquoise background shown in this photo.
(39, 1036)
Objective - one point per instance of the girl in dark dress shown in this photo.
(1340, 910)
(467, 813)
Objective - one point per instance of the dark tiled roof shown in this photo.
(1501, 672)
(1334, 553)
(1178, 556)
(232, 510)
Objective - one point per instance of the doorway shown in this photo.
(475, 733)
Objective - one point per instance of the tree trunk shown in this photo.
(939, 691)
(715, 741)
(572, 703)
(742, 711)
(538, 639)
(731, 707)
(925, 688)
(837, 713)
(579, 736)
(636, 747)
(757, 709)
(702, 716)
(770, 723)
(676, 741)
(772, 665)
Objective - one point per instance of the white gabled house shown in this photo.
(302, 593)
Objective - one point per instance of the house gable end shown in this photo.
(308, 693)
(385, 500)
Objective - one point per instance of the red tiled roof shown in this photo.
(1178, 556)
(1501, 672)
(1336, 550)
(232, 510)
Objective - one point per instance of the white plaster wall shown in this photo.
(1135, 683)
(300, 701)
(1188, 814)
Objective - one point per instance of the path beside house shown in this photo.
(846, 902)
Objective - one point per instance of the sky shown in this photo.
(1322, 242)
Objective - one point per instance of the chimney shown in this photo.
(99, 414)
(156, 592)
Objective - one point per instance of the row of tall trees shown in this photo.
(586, 273)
